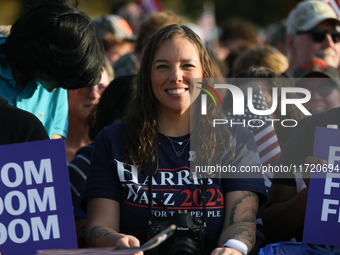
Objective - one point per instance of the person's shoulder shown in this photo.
(43, 95)
(306, 126)
(126, 65)
(239, 131)
(114, 131)
(60, 91)
(301, 140)
(125, 59)
(20, 125)
(3, 102)
(2, 38)
(57, 93)
(85, 150)
(19, 116)
(324, 118)
(81, 159)
(115, 127)
(240, 137)
(22, 117)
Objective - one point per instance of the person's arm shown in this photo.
(102, 228)
(55, 136)
(283, 215)
(240, 221)
(61, 115)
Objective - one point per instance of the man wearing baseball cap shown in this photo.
(322, 80)
(312, 32)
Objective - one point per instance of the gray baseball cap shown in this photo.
(308, 14)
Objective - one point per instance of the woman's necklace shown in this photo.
(174, 141)
(178, 153)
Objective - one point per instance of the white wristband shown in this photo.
(237, 245)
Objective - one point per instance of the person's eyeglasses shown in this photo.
(86, 90)
(319, 35)
(323, 90)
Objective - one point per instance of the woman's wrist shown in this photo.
(237, 245)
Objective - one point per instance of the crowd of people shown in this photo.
(119, 90)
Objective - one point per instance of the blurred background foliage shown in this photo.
(261, 12)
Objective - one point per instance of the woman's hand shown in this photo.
(126, 241)
(120, 240)
(226, 251)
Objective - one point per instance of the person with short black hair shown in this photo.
(51, 47)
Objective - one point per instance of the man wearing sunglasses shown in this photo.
(322, 80)
(312, 32)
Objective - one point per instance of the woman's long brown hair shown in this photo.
(141, 119)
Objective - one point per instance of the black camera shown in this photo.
(187, 238)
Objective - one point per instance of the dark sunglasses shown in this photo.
(323, 90)
(319, 35)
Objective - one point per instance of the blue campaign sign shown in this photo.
(322, 220)
(35, 198)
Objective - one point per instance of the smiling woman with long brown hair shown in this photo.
(157, 132)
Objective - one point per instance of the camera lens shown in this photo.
(183, 246)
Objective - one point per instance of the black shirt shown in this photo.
(301, 142)
(17, 126)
